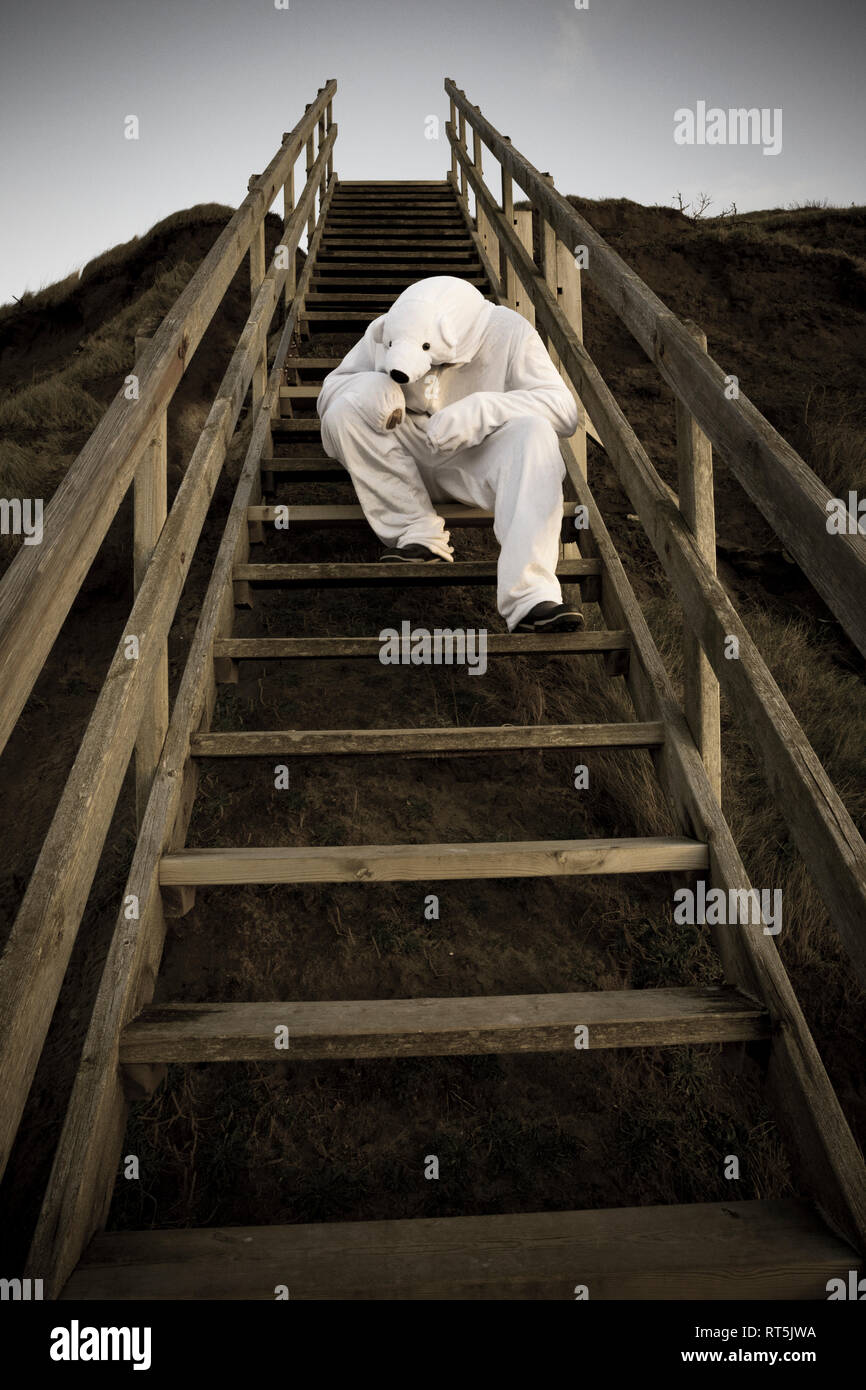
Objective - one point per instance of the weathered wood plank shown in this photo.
(498, 644)
(383, 281)
(370, 224)
(322, 742)
(396, 572)
(715, 1251)
(149, 513)
(397, 186)
(439, 1027)
(345, 514)
(413, 253)
(325, 363)
(333, 297)
(338, 316)
(386, 237)
(696, 500)
(309, 468)
(410, 863)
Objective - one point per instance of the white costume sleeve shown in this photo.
(360, 381)
(534, 388)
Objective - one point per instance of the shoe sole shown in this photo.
(563, 622)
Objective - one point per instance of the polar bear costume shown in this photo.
(450, 397)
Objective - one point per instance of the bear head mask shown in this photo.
(433, 322)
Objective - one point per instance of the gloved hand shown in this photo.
(378, 399)
(460, 425)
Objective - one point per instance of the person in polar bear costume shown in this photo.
(448, 397)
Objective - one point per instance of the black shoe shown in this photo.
(551, 617)
(418, 553)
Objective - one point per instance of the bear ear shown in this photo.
(446, 333)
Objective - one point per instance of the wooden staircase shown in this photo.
(370, 241)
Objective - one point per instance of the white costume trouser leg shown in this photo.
(516, 473)
(386, 477)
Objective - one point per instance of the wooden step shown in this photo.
(391, 214)
(498, 644)
(428, 226)
(350, 514)
(431, 226)
(774, 1250)
(384, 243)
(382, 246)
(305, 425)
(445, 200)
(397, 282)
(326, 271)
(384, 235)
(396, 185)
(338, 316)
(324, 364)
(410, 253)
(308, 469)
(397, 205)
(327, 742)
(307, 392)
(210, 1032)
(420, 863)
(312, 453)
(318, 573)
(388, 218)
(333, 297)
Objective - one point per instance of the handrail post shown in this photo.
(696, 502)
(452, 120)
(303, 327)
(323, 182)
(150, 508)
(508, 273)
(311, 159)
(547, 261)
(288, 209)
(486, 234)
(257, 275)
(562, 275)
(569, 300)
(329, 121)
(522, 220)
(464, 182)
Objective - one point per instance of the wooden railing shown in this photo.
(37, 591)
(779, 482)
(41, 584)
(79, 1189)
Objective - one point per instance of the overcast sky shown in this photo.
(588, 94)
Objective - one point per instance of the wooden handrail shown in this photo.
(150, 508)
(40, 943)
(697, 504)
(779, 482)
(76, 1199)
(820, 824)
(40, 585)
